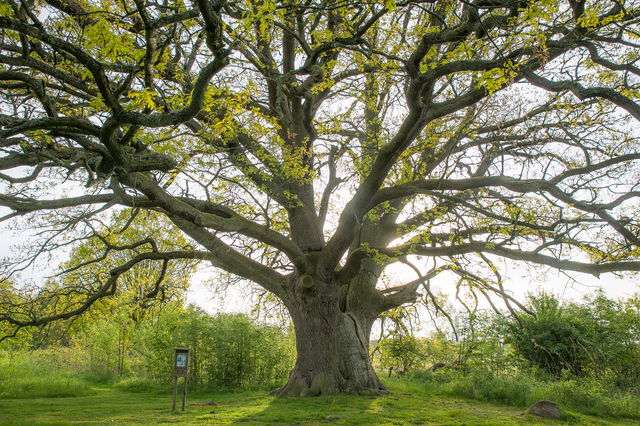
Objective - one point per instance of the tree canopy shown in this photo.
(306, 146)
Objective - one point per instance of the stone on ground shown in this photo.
(546, 409)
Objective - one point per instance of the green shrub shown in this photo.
(227, 351)
(597, 338)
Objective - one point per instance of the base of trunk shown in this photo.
(328, 384)
(343, 368)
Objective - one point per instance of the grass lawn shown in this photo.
(404, 405)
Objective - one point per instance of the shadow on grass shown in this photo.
(312, 410)
(402, 406)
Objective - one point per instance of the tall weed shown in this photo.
(589, 396)
(38, 374)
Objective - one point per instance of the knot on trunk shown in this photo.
(307, 281)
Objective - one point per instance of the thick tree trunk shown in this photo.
(333, 350)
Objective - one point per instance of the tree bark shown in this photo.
(332, 346)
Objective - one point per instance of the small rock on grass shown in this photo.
(546, 409)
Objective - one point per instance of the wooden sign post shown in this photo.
(180, 369)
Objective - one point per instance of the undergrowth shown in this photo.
(38, 376)
(42, 373)
(587, 395)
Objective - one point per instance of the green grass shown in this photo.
(407, 403)
(44, 386)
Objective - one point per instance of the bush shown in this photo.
(227, 351)
(551, 339)
(597, 338)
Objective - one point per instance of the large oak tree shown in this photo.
(306, 146)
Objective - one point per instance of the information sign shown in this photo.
(180, 369)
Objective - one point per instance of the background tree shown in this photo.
(129, 233)
(307, 146)
(553, 340)
(597, 337)
(108, 244)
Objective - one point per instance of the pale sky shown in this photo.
(520, 279)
